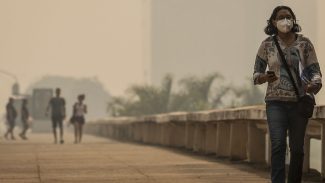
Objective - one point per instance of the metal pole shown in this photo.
(15, 86)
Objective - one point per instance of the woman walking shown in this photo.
(11, 115)
(24, 119)
(78, 119)
(293, 78)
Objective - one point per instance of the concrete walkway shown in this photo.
(99, 160)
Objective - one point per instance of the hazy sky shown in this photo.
(204, 36)
(80, 38)
(106, 39)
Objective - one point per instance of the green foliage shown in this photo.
(144, 100)
(116, 106)
(248, 94)
(252, 95)
(194, 94)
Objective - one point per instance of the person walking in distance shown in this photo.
(293, 78)
(78, 118)
(58, 113)
(11, 115)
(24, 119)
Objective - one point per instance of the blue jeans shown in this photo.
(283, 117)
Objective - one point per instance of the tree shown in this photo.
(248, 94)
(194, 93)
(116, 106)
(252, 95)
(144, 100)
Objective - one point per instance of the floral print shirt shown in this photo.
(302, 61)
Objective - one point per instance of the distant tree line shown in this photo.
(96, 94)
(191, 94)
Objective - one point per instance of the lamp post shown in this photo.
(15, 86)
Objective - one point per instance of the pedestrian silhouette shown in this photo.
(57, 106)
(24, 119)
(78, 118)
(11, 115)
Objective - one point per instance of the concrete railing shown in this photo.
(239, 133)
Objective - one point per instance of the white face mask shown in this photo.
(284, 25)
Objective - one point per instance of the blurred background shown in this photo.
(136, 57)
(126, 55)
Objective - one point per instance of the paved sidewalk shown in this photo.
(99, 160)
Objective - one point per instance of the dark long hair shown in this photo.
(270, 29)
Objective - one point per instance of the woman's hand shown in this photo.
(311, 88)
(267, 78)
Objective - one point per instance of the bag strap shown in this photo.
(284, 62)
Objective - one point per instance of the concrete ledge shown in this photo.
(238, 140)
(238, 133)
(199, 137)
(255, 144)
(223, 139)
(210, 138)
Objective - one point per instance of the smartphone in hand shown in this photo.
(272, 73)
